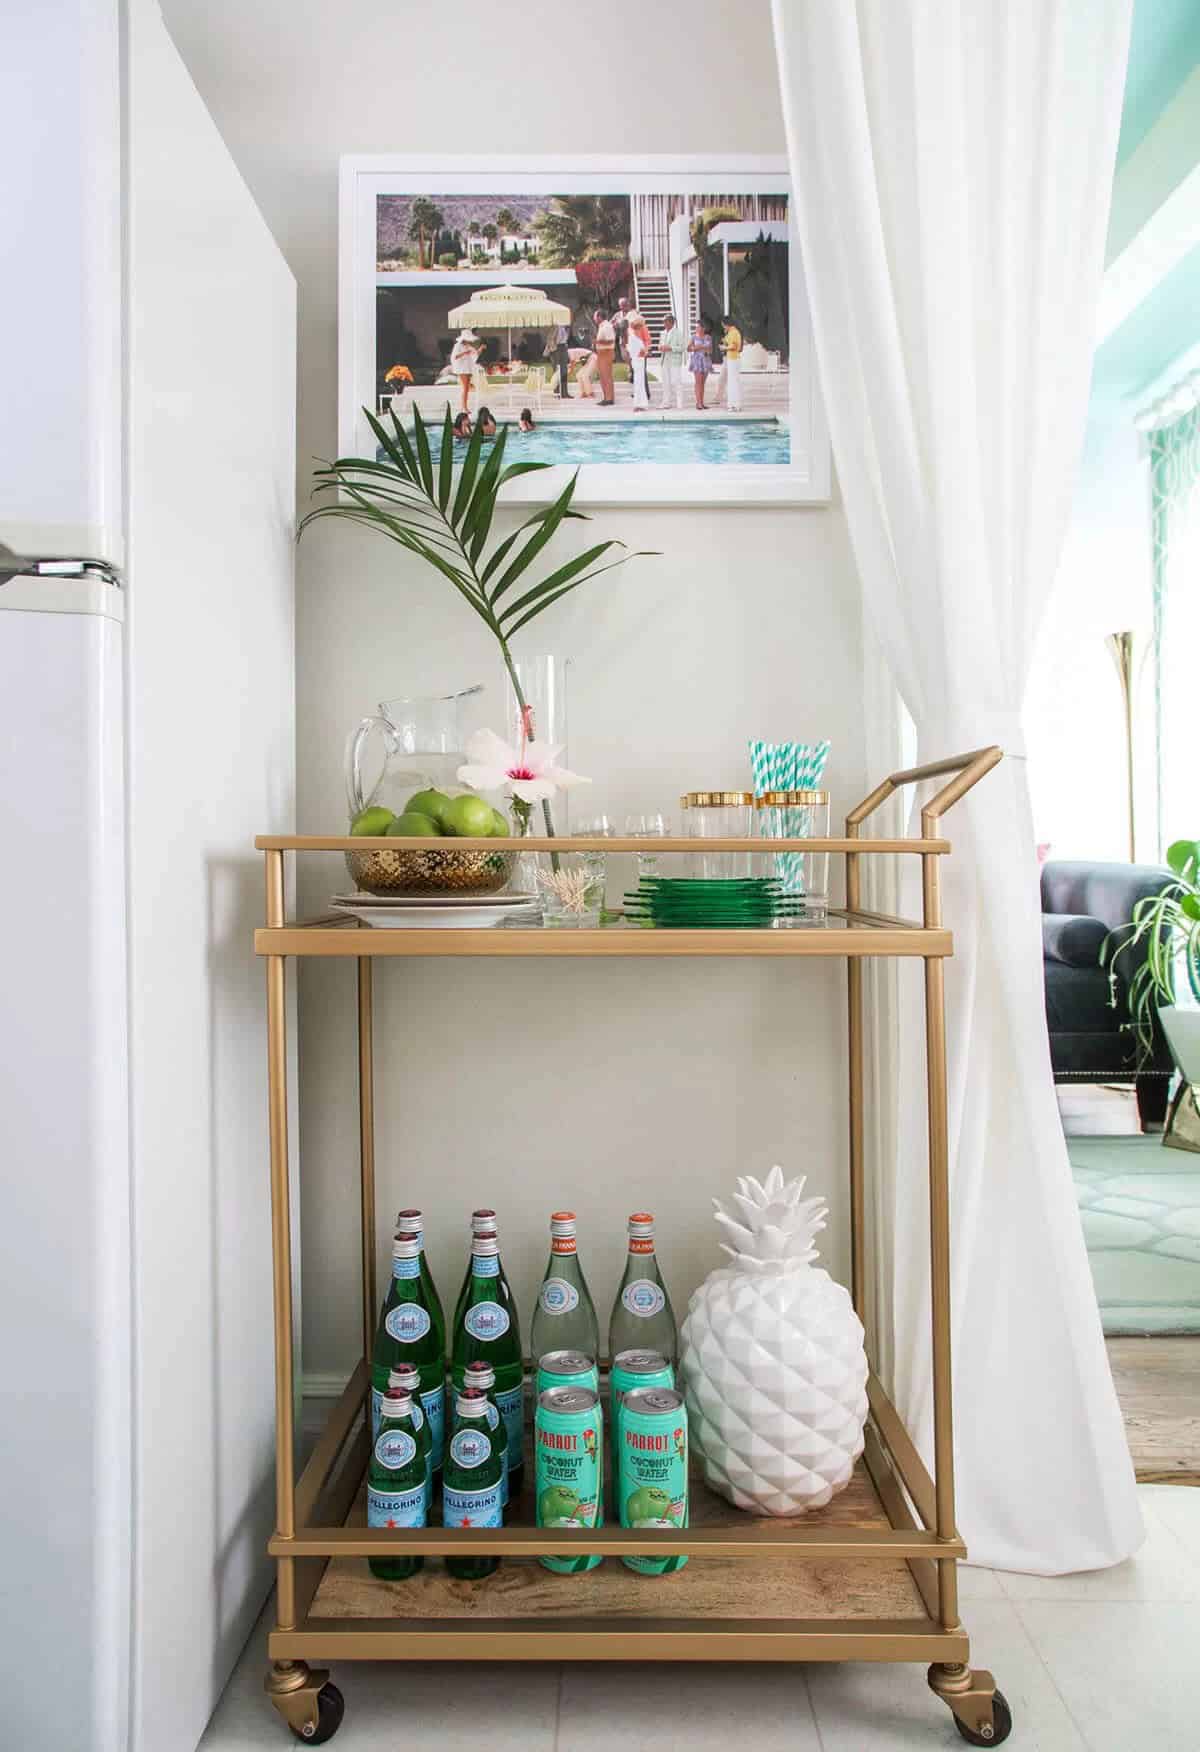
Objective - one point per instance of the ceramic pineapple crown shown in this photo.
(773, 1229)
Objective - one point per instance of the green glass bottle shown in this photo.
(406, 1334)
(565, 1316)
(396, 1493)
(489, 1331)
(407, 1377)
(483, 1222)
(483, 1376)
(410, 1223)
(471, 1482)
(642, 1316)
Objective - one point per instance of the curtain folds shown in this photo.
(951, 169)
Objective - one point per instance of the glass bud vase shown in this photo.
(536, 711)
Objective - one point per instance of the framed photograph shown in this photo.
(641, 320)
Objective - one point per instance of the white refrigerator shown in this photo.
(147, 393)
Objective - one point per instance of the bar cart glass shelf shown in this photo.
(871, 1577)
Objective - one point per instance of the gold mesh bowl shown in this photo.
(440, 870)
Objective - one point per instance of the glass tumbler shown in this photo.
(803, 876)
(707, 815)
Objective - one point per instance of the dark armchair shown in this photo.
(1089, 1042)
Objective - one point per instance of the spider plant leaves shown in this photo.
(1184, 858)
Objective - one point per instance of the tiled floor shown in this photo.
(1104, 1662)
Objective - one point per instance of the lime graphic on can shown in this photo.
(567, 1368)
(652, 1478)
(631, 1370)
(568, 1443)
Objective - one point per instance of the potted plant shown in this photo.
(1168, 926)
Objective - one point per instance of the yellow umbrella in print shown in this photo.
(508, 308)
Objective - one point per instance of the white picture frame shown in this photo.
(803, 479)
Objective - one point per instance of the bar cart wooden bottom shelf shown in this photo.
(873, 1576)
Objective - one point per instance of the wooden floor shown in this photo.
(1158, 1385)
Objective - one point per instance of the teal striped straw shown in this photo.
(789, 766)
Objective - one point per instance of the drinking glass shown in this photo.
(595, 827)
(648, 827)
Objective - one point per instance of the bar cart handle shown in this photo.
(967, 768)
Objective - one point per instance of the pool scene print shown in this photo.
(634, 329)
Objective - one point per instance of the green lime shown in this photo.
(470, 817)
(432, 803)
(412, 825)
(374, 821)
(499, 825)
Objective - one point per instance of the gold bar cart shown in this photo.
(871, 1577)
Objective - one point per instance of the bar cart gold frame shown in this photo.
(311, 1510)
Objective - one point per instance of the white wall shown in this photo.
(614, 1086)
(211, 763)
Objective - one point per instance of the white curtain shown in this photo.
(951, 164)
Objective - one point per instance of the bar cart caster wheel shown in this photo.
(309, 1703)
(331, 1707)
(1000, 1729)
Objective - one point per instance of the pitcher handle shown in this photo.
(354, 751)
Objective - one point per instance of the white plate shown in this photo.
(440, 902)
(430, 918)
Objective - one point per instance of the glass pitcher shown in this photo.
(413, 745)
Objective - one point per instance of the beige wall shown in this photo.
(528, 1086)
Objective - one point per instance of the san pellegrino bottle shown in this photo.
(407, 1377)
(489, 1331)
(407, 1334)
(565, 1316)
(642, 1317)
(410, 1223)
(471, 1481)
(483, 1222)
(483, 1376)
(396, 1492)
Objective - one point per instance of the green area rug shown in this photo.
(1140, 1208)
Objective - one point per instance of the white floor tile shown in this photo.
(880, 1708)
(1163, 1570)
(1126, 1670)
(1177, 1506)
(509, 1707)
(978, 1584)
(685, 1708)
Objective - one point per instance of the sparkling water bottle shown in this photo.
(642, 1317)
(488, 1330)
(565, 1316)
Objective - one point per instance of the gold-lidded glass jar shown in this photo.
(706, 815)
(803, 876)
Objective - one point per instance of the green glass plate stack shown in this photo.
(692, 903)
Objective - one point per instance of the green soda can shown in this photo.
(567, 1368)
(652, 1488)
(632, 1369)
(568, 1446)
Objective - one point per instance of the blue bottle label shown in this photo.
(394, 1449)
(486, 1320)
(406, 1268)
(643, 1297)
(472, 1508)
(408, 1322)
(470, 1447)
(396, 1508)
(557, 1296)
(511, 1406)
(485, 1265)
(434, 1401)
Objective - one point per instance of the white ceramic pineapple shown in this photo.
(773, 1362)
